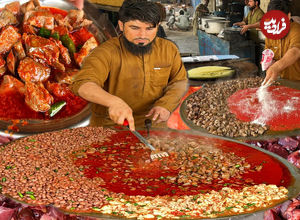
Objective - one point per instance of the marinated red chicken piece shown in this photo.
(2, 66)
(7, 18)
(31, 71)
(8, 37)
(66, 77)
(37, 97)
(61, 30)
(19, 50)
(85, 50)
(75, 19)
(64, 53)
(11, 62)
(57, 89)
(10, 83)
(14, 7)
(41, 18)
(43, 50)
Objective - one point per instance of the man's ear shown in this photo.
(121, 25)
(289, 15)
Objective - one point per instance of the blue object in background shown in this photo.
(210, 44)
(195, 3)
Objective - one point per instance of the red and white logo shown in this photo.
(275, 24)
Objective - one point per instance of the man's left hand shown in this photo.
(244, 29)
(160, 114)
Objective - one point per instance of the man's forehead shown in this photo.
(139, 23)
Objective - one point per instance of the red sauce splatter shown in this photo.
(246, 106)
(120, 158)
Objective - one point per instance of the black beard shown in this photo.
(137, 49)
(252, 8)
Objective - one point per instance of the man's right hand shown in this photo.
(119, 111)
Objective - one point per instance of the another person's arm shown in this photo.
(289, 58)
(250, 26)
(239, 23)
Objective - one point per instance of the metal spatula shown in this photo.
(154, 153)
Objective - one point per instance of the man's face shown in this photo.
(138, 33)
(252, 4)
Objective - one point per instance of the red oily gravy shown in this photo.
(120, 158)
(13, 106)
(284, 106)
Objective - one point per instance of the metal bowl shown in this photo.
(36, 126)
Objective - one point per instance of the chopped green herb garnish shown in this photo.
(37, 168)
(32, 197)
(3, 179)
(184, 216)
(32, 140)
(96, 209)
(135, 204)
(26, 147)
(55, 170)
(237, 166)
(226, 184)
(130, 212)
(162, 177)
(173, 191)
(71, 179)
(230, 207)
(8, 167)
(194, 157)
(29, 193)
(109, 198)
(115, 213)
(20, 194)
(72, 208)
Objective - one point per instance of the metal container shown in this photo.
(215, 26)
(204, 19)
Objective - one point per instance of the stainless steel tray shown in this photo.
(212, 141)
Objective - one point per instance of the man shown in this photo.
(286, 50)
(200, 11)
(182, 22)
(135, 75)
(252, 21)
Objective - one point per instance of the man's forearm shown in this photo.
(93, 93)
(290, 57)
(255, 25)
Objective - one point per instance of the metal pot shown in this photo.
(204, 19)
(234, 34)
(215, 26)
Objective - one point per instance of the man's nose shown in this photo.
(142, 33)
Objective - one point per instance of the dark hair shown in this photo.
(148, 12)
(258, 2)
(181, 12)
(281, 5)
